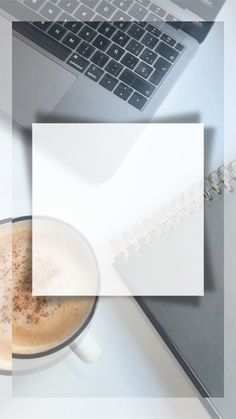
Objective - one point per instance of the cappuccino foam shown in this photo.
(5, 297)
(39, 324)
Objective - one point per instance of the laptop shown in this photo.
(99, 60)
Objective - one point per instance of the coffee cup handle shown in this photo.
(87, 349)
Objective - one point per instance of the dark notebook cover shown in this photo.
(193, 327)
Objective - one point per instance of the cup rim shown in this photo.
(6, 373)
(68, 341)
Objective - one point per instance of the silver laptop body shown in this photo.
(47, 89)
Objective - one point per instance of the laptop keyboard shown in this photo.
(126, 56)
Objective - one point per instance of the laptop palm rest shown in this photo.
(36, 91)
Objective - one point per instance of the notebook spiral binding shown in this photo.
(133, 240)
(221, 178)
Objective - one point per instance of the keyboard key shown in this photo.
(137, 83)
(167, 52)
(136, 31)
(179, 47)
(156, 77)
(153, 30)
(94, 73)
(50, 11)
(105, 9)
(83, 13)
(57, 31)
(44, 25)
(78, 62)
(115, 51)
(123, 4)
(120, 24)
(71, 40)
(148, 56)
(69, 5)
(43, 40)
(138, 12)
(168, 40)
(149, 40)
(120, 17)
(108, 82)
(121, 38)
(135, 47)
(162, 65)
(123, 91)
(101, 42)
(99, 58)
(144, 3)
(85, 49)
(129, 60)
(114, 68)
(157, 10)
(87, 33)
(90, 3)
(138, 101)
(106, 29)
(143, 70)
(34, 4)
(73, 26)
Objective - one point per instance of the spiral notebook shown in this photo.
(173, 233)
(193, 327)
(162, 245)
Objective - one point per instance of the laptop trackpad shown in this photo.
(38, 84)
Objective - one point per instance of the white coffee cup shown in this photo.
(82, 343)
